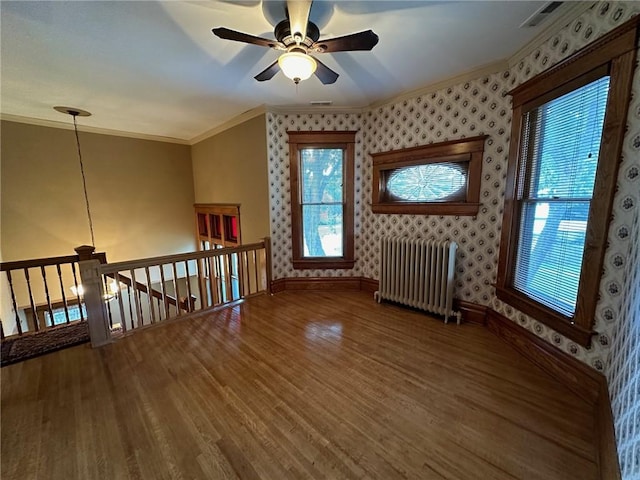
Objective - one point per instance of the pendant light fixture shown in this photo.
(111, 287)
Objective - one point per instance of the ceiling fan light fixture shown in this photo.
(297, 66)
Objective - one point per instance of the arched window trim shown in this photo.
(467, 151)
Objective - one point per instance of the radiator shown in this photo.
(418, 273)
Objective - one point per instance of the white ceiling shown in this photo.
(155, 68)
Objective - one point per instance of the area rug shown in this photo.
(18, 348)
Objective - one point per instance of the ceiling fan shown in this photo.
(298, 37)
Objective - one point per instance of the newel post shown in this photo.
(93, 295)
(85, 252)
(267, 256)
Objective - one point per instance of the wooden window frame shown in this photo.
(212, 226)
(616, 52)
(298, 141)
(466, 150)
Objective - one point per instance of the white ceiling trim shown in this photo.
(85, 128)
(444, 83)
(243, 117)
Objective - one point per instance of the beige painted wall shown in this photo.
(231, 167)
(140, 193)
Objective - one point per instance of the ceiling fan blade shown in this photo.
(356, 41)
(324, 73)
(268, 73)
(298, 17)
(227, 34)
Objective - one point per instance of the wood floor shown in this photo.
(294, 386)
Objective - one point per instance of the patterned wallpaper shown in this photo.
(623, 370)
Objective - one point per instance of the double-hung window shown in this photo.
(567, 132)
(322, 211)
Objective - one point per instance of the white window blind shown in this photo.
(560, 145)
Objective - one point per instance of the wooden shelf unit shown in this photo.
(217, 225)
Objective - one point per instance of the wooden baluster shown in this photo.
(130, 306)
(213, 282)
(150, 295)
(46, 292)
(242, 259)
(176, 288)
(159, 308)
(108, 302)
(107, 298)
(163, 285)
(75, 282)
(267, 261)
(218, 284)
(256, 267)
(136, 298)
(228, 272)
(186, 267)
(64, 297)
(13, 302)
(123, 317)
(36, 325)
(204, 301)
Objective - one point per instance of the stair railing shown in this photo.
(184, 283)
(42, 293)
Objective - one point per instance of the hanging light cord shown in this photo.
(84, 180)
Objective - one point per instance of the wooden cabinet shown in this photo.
(217, 225)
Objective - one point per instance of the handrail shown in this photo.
(180, 257)
(37, 262)
(46, 262)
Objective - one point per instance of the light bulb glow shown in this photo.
(297, 66)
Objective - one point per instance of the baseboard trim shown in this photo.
(315, 283)
(471, 312)
(606, 435)
(368, 284)
(578, 377)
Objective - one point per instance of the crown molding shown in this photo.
(311, 109)
(235, 121)
(566, 13)
(88, 129)
(487, 69)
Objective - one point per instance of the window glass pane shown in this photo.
(428, 183)
(321, 175)
(322, 230)
(550, 252)
(59, 317)
(561, 143)
(569, 130)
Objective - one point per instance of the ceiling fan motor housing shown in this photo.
(283, 33)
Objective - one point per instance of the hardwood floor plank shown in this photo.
(318, 385)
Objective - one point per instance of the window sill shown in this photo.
(545, 315)
(323, 264)
(411, 208)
